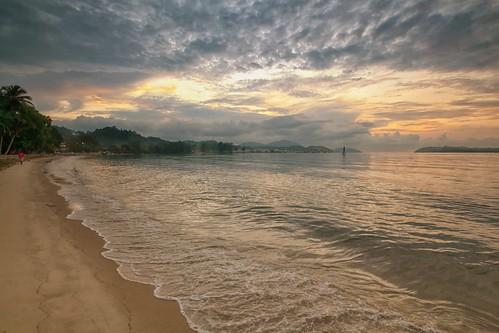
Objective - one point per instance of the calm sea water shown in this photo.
(302, 242)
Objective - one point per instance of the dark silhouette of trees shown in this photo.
(15, 97)
(122, 141)
(22, 127)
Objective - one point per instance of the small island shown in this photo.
(286, 146)
(454, 149)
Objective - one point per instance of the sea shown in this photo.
(283, 242)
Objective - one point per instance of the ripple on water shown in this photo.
(295, 243)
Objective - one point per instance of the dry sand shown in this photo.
(52, 275)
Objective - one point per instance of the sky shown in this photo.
(379, 75)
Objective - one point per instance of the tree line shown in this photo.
(122, 141)
(22, 126)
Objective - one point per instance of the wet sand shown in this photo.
(53, 277)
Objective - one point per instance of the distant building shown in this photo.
(63, 148)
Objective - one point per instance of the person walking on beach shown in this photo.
(20, 155)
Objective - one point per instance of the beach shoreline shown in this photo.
(54, 278)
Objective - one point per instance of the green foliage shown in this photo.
(121, 141)
(15, 97)
(22, 127)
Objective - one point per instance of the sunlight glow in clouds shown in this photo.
(190, 90)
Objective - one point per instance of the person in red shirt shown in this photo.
(21, 157)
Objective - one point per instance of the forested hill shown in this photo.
(122, 141)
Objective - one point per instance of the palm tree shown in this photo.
(4, 128)
(5, 120)
(14, 98)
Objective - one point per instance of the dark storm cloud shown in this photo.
(39, 32)
(173, 35)
(50, 81)
(416, 34)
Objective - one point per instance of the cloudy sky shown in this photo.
(375, 74)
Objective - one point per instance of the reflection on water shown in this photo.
(303, 242)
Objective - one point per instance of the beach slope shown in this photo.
(53, 277)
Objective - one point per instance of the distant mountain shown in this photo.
(64, 132)
(283, 144)
(286, 146)
(275, 144)
(112, 136)
(451, 149)
(253, 145)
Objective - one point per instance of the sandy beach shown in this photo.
(53, 277)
